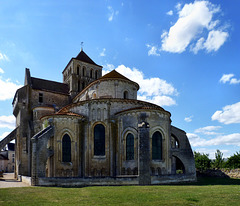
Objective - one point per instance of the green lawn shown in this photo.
(211, 191)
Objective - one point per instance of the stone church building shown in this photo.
(92, 130)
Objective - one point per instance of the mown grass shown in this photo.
(208, 191)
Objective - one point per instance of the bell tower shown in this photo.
(80, 72)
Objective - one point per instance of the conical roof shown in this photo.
(116, 75)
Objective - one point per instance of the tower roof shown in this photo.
(82, 56)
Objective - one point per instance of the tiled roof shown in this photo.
(114, 75)
(82, 56)
(46, 85)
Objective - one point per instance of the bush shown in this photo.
(202, 161)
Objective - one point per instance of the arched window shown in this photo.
(66, 148)
(83, 71)
(78, 70)
(125, 95)
(99, 140)
(157, 146)
(91, 73)
(96, 74)
(130, 147)
(83, 85)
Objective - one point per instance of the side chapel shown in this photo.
(92, 130)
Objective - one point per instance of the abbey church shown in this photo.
(92, 130)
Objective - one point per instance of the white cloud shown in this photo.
(154, 90)
(228, 78)
(7, 89)
(211, 152)
(193, 22)
(7, 122)
(229, 114)
(208, 130)
(170, 13)
(231, 139)
(153, 50)
(1, 71)
(178, 6)
(4, 135)
(188, 119)
(3, 57)
(102, 54)
(111, 13)
(215, 40)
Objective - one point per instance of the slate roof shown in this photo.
(82, 56)
(46, 85)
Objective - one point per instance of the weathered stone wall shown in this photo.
(109, 89)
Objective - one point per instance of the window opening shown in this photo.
(40, 98)
(99, 140)
(157, 146)
(130, 147)
(66, 148)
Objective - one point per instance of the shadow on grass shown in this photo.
(215, 181)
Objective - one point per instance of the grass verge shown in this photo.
(207, 191)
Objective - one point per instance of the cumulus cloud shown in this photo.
(1, 71)
(228, 115)
(155, 90)
(208, 130)
(170, 13)
(102, 54)
(195, 20)
(229, 78)
(7, 122)
(3, 57)
(211, 152)
(7, 89)
(188, 119)
(153, 50)
(111, 13)
(230, 139)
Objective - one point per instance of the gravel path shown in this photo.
(9, 181)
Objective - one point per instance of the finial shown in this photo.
(82, 46)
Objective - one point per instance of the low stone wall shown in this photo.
(232, 173)
(26, 179)
(111, 181)
(79, 182)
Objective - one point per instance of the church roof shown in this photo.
(82, 56)
(46, 85)
(115, 75)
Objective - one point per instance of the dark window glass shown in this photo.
(96, 74)
(84, 71)
(99, 140)
(91, 73)
(40, 98)
(157, 146)
(78, 70)
(66, 148)
(130, 147)
(125, 95)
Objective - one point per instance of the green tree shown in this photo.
(202, 161)
(218, 162)
(233, 162)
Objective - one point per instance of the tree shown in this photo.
(202, 161)
(233, 162)
(218, 162)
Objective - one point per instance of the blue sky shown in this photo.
(184, 54)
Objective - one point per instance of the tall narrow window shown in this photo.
(125, 95)
(78, 70)
(91, 73)
(40, 98)
(83, 85)
(130, 147)
(83, 71)
(96, 74)
(157, 146)
(99, 140)
(66, 148)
